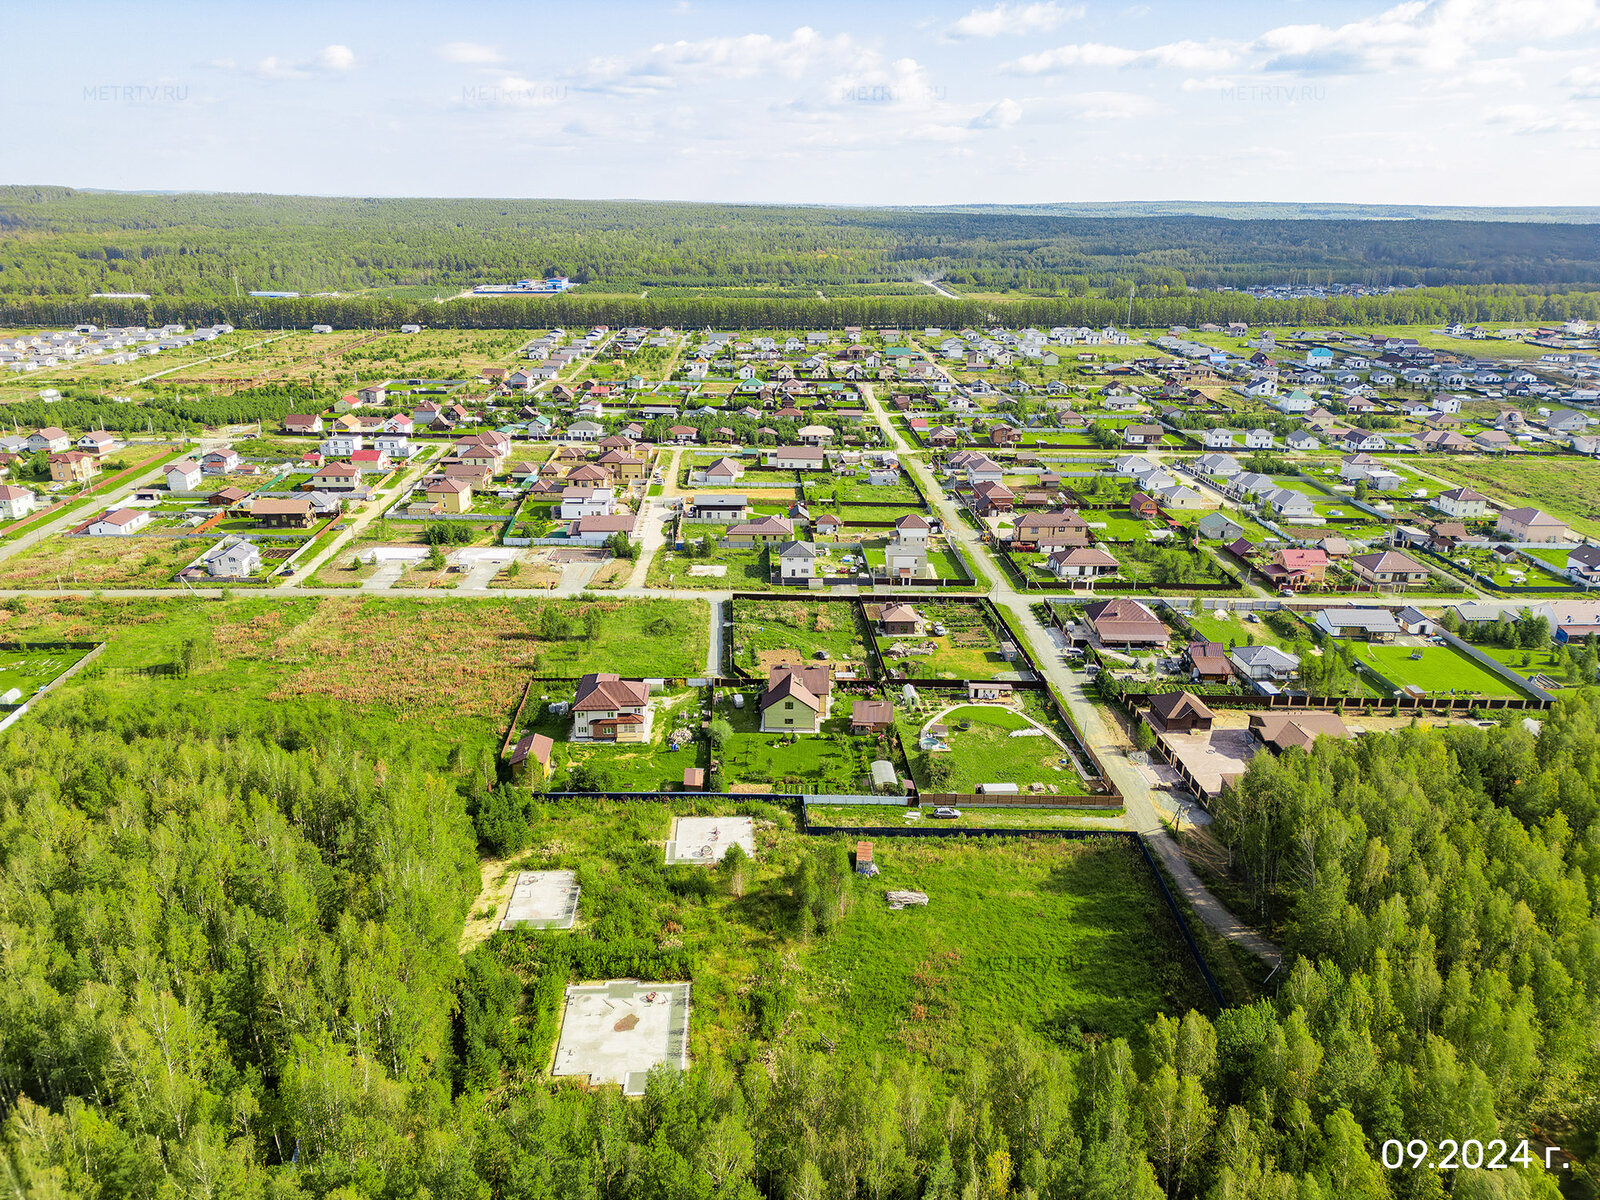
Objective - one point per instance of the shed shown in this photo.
(694, 779)
(998, 789)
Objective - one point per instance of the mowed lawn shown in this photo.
(987, 753)
(1440, 669)
(1056, 937)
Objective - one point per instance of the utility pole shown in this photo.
(1129, 321)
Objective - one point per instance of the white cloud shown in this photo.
(999, 115)
(1110, 106)
(336, 58)
(1583, 83)
(470, 54)
(1530, 118)
(1187, 56)
(332, 59)
(1014, 19)
(1427, 35)
(1432, 35)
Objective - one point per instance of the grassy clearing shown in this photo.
(1568, 487)
(28, 671)
(113, 562)
(776, 631)
(1235, 629)
(986, 752)
(1058, 938)
(1442, 669)
(442, 676)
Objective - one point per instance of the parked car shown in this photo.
(944, 813)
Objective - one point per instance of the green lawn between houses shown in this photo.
(985, 752)
(1440, 670)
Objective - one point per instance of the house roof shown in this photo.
(897, 613)
(802, 683)
(1374, 620)
(1388, 560)
(1124, 619)
(871, 712)
(1530, 517)
(600, 691)
(268, 506)
(1083, 556)
(536, 746)
(798, 550)
(1280, 730)
(1171, 706)
(768, 525)
(1248, 656)
(122, 516)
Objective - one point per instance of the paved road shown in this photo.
(385, 500)
(104, 500)
(1098, 727)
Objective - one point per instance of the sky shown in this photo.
(1476, 102)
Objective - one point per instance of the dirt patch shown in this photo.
(628, 1022)
(495, 882)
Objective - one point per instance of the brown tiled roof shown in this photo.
(601, 691)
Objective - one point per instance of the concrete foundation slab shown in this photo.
(616, 1031)
(543, 900)
(705, 840)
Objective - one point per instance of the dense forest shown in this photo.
(1414, 307)
(228, 945)
(59, 242)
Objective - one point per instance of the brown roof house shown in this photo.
(901, 619)
(1530, 525)
(1208, 662)
(531, 754)
(1125, 622)
(293, 512)
(1180, 712)
(609, 708)
(796, 699)
(1280, 730)
(1388, 568)
(871, 716)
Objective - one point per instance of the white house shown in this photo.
(16, 502)
(119, 523)
(1463, 503)
(235, 559)
(183, 475)
(797, 561)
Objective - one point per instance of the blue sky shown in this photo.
(1429, 101)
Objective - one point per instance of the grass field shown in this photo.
(1231, 629)
(774, 631)
(867, 816)
(30, 670)
(1442, 669)
(1059, 938)
(101, 561)
(986, 752)
(1567, 487)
